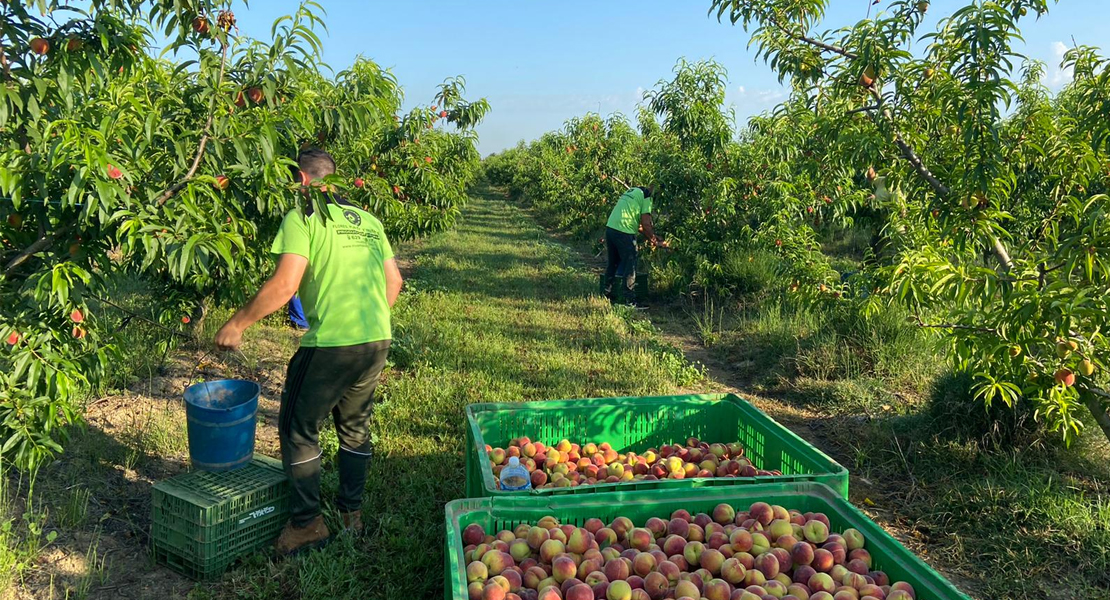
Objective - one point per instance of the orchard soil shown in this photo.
(501, 310)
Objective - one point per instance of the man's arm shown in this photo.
(393, 281)
(649, 228)
(273, 294)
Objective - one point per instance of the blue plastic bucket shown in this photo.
(221, 423)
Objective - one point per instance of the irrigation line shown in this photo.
(134, 315)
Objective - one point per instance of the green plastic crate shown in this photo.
(495, 514)
(202, 522)
(637, 424)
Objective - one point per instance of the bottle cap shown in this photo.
(514, 461)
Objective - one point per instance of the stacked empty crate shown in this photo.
(203, 521)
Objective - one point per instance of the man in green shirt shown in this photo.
(632, 212)
(343, 268)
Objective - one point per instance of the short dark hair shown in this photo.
(316, 162)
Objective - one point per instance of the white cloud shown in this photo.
(761, 98)
(1057, 76)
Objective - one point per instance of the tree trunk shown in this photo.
(1099, 409)
(196, 320)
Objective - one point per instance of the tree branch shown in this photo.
(39, 245)
(811, 41)
(1095, 400)
(867, 108)
(918, 165)
(134, 315)
(925, 325)
(206, 132)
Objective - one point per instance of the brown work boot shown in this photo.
(294, 539)
(352, 522)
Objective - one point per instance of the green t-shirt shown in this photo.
(626, 214)
(343, 289)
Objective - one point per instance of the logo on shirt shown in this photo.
(352, 217)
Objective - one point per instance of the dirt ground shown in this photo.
(131, 441)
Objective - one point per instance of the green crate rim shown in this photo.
(835, 473)
(929, 584)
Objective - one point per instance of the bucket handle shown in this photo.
(244, 362)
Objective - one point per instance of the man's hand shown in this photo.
(229, 337)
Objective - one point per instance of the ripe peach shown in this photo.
(640, 539)
(816, 531)
(533, 576)
(579, 541)
(473, 534)
(712, 560)
(643, 564)
(550, 549)
(733, 571)
(580, 591)
(621, 525)
(724, 513)
(785, 562)
(762, 512)
(802, 554)
(821, 582)
(550, 593)
(618, 569)
(596, 577)
(854, 580)
(492, 591)
(837, 550)
(619, 590)
(754, 577)
(880, 578)
(563, 568)
(687, 589)
(853, 539)
(605, 537)
(767, 564)
(872, 590)
(822, 560)
(787, 542)
(692, 552)
(519, 550)
(741, 540)
(717, 589)
(717, 540)
(498, 561)
(779, 528)
(798, 590)
(902, 586)
(760, 543)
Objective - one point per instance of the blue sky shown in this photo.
(540, 63)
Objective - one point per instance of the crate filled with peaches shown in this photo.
(604, 444)
(794, 541)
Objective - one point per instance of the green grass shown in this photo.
(496, 311)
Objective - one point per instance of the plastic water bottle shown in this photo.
(515, 477)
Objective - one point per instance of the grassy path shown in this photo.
(493, 311)
(496, 310)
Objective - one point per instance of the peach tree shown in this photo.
(117, 162)
(994, 221)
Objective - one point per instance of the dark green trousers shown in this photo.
(322, 381)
